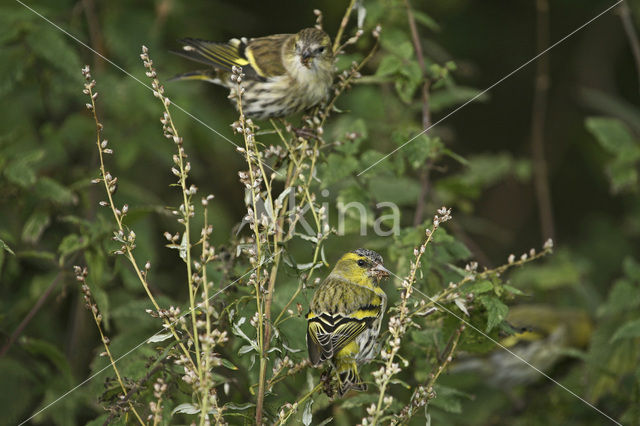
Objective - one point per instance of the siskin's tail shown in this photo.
(349, 378)
(200, 75)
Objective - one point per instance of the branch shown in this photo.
(632, 36)
(538, 118)
(426, 116)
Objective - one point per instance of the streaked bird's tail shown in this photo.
(209, 75)
(349, 378)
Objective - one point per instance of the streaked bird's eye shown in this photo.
(320, 49)
(361, 262)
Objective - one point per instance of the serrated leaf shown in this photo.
(360, 400)
(513, 290)
(72, 243)
(425, 20)
(48, 189)
(496, 311)
(35, 226)
(21, 171)
(479, 287)
(388, 65)
(56, 48)
(627, 331)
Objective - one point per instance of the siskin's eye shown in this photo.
(320, 49)
(361, 263)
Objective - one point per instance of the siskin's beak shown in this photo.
(380, 271)
(306, 58)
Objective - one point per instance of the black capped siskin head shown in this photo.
(361, 266)
(312, 43)
(369, 254)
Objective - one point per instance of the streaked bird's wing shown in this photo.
(265, 54)
(259, 58)
(327, 334)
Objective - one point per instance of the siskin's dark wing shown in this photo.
(259, 58)
(328, 333)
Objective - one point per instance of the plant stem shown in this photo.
(538, 119)
(343, 25)
(632, 36)
(118, 218)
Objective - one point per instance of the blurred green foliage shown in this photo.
(479, 165)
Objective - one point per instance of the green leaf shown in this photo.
(614, 136)
(426, 20)
(451, 96)
(496, 311)
(49, 189)
(479, 287)
(513, 290)
(390, 64)
(360, 400)
(21, 171)
(398, 190)
(35, 226)
(45, 349)
(228, 364)
(448, 399)
(72, 243)
(627, 331)
(337, 168)
(56, 48)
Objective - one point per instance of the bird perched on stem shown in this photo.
(345, 315)
(283, 74)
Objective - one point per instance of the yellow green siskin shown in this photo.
(283, 74)
(345, 315)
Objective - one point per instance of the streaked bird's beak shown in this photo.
(306, 58)
(381, 271)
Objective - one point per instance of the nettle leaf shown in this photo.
(631, 268)
(623, 296)
(496, 311)
(21, 171)
(614, 136)
(336, 168)
(352, 133)
(390, 64)
(398, 190)
(360, 400)
(48, 189)
(72, 243)
(35, 226)
(448, 399)
(629, 330)
(426, 20)
(56, 48)
(479, 287)
(452, 95)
